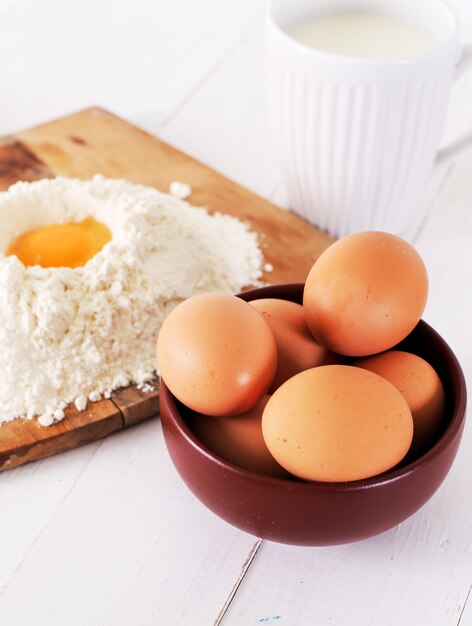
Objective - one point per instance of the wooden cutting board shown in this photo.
(95, 141)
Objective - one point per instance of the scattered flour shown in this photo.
(72, 335)
(180, 190)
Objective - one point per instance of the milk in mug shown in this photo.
(362, 34)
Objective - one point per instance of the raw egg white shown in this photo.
(365, 293)
(297, 349)
(216, 354)
(337, 423)
(239, 439)
(421, 387)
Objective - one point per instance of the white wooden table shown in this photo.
(108, 534)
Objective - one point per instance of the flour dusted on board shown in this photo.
(73, 335)
(180, 190)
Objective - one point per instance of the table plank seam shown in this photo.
(244, 570)
(465, 604)
(211, 71)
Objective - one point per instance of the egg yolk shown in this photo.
(61, 245)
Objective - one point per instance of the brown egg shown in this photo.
(365, 293)
(239, 439)
(337, 423)
(421, 387)
(216, 354)
(297, 349)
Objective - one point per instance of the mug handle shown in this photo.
(456, 148)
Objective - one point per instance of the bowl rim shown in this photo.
(390, 476)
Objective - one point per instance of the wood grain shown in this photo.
(136, 405)
(24, 440)
(19, 163)
(95, 141)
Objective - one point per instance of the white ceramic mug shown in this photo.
(358, 138)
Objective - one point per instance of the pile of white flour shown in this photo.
(72, 335)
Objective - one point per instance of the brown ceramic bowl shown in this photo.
(318, 514)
